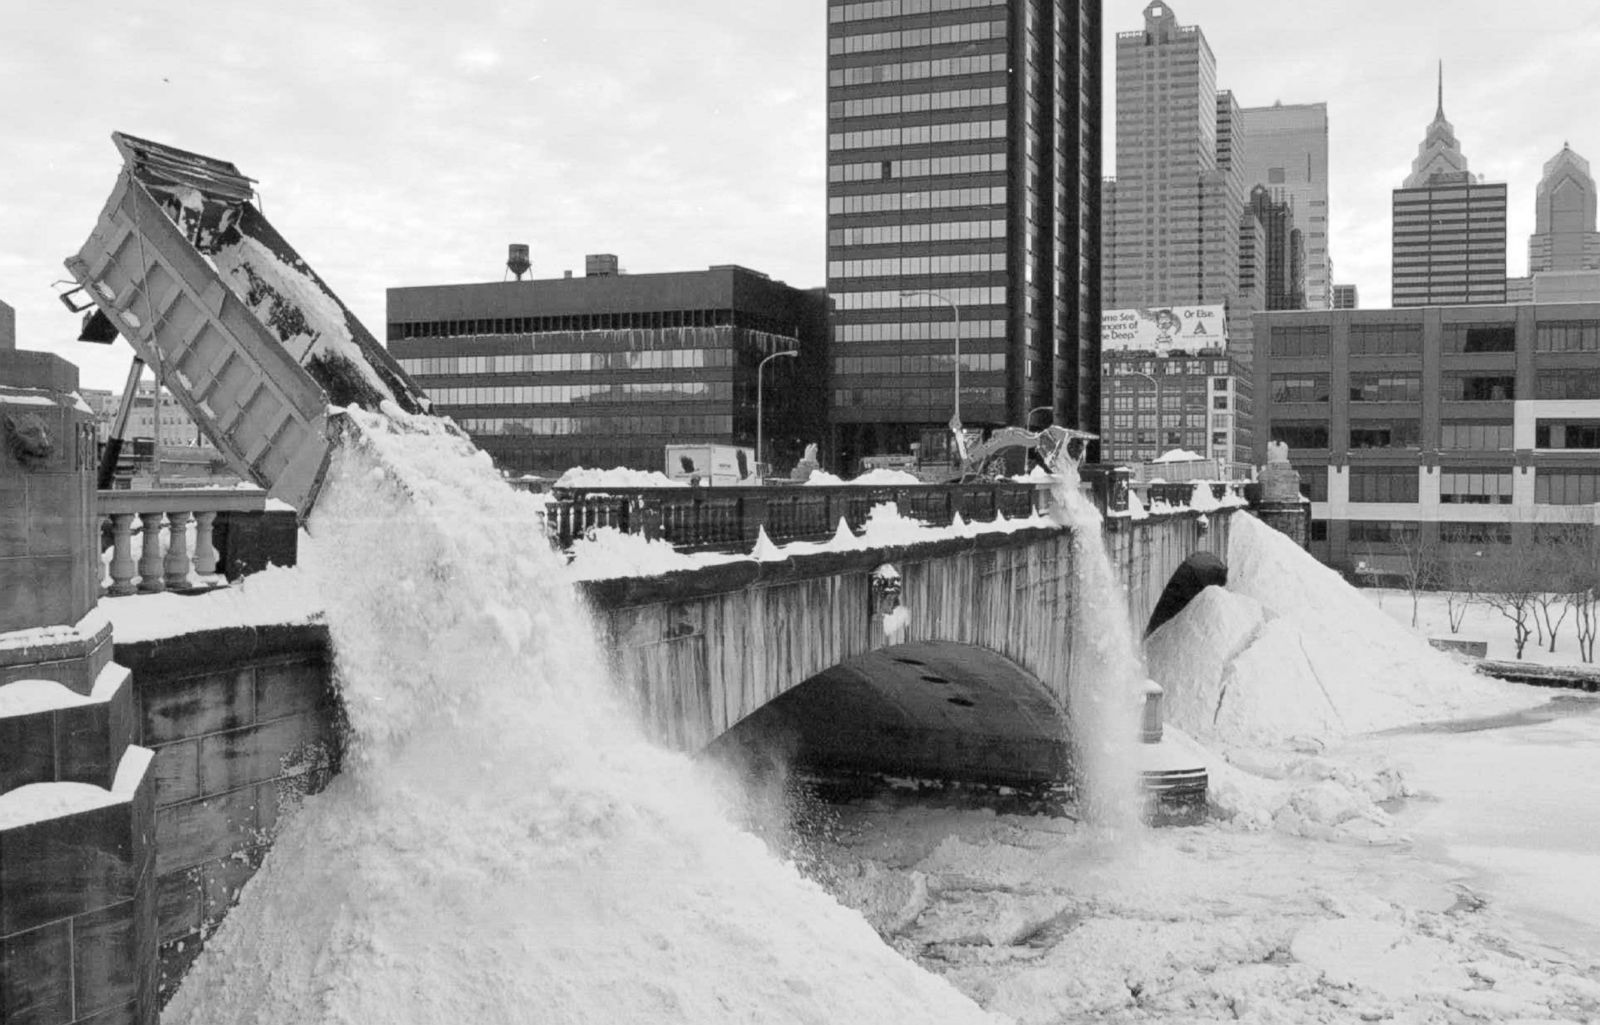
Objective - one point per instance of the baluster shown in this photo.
(121, 555)
(205, 551)
(177, 561)
(150, 554)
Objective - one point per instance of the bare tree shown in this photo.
(1510, 583)
(1420, 563)
(1575, 549)
(1459, 578)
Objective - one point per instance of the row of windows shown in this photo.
(1385, 339)
(1126, 420)
(1568, 336)
(1475, 487)
(901, 266)
(910, 103)
(568, 362)
(891, 234)
(1299, 387)
(575, 323)
(888, 170)
(1479, 338)
(914, 398)
(1382, 484)
(1365, 434)
(893, 300)
(912, 70)
(978, 362)
(878, 202)
(608, 426)
(1298, 341)
(1168, 368)
(1567, 384)
(543, 394)
(1566, 487)
(1478, 387)
(1385, 387)
(892, 8)
(1566, 434)
(1481, 437)
(919, 330)
(903, 39)
(915, 135)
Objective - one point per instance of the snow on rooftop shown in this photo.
(40, 802)
(1178, 455)
(616, 477)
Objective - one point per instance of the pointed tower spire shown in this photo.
(1439, 115)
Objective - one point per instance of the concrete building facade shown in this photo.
(1472, 425)
(607, 369)
(1288, 153)
(963, 186)
(1200, 402)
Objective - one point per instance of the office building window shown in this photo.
(1568, 336)
(1567, 384)
(1566, 487)
(1382, 532)
(1475, 436)
(1299, 387)
(1383, 484)
(1385, 339)
(1371, 434)
(1566, 434)
(1307, 340)
(1385, 387)
(1478, 387)
(1462, 486)
(1475, 533)
(1479, 338)
(1300, 434)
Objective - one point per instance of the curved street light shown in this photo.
(1027, 421)
(955, 420)
(759, 368)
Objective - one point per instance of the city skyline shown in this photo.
(400, 148)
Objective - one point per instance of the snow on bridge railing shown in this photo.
(185, 516)
(731, 518)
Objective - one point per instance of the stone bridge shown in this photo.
(985, 651)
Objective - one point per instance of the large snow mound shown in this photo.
(1290, 649)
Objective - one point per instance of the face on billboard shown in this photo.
(1160, 328)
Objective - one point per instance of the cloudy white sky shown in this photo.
(397, 142)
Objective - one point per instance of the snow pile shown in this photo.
(885, 478)
(822, 478)
(606, 552)
(1289, 648)
(886, 526)
(503, 845)
(1178, 455)
(616, 477)
(1284, 662)
(275, 595)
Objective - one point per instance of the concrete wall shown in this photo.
(244, 723)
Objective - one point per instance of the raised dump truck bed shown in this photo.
(243, 333)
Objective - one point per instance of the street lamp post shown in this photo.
(759, 368)
(955, 420)
(1027, 421)
(1157, 382)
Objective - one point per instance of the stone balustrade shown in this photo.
(146, 513)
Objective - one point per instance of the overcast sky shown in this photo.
(397, 142)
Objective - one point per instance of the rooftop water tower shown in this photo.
(517, 259)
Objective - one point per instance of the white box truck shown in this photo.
(712, 465)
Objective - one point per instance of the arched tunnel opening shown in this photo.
(926, 711)
(1193, 575)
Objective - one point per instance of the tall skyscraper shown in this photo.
(1180, 183)
(1564, 236)
(1289, 155)
(963, 187)
(1449, 245)
(1282, 267)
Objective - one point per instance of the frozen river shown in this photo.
(1481, 902)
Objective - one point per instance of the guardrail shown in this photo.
(710, 518)
(159, 567)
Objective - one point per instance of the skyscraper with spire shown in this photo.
(1449, 245)
(1564, 237)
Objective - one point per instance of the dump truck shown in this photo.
(248, 338)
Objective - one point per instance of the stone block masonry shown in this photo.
(244, 723)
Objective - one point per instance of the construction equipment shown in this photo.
(1049, 443)
(236, 325)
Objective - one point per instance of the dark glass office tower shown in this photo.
(963, 161)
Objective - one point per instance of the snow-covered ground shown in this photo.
(1479, 623)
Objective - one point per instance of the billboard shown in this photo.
(1163, 328)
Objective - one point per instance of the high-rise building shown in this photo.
(1564, 236)
(1346, 297)
(1289, 155)
(1449, 245)
(1283, 265)
(963, 188)
(1180, 188)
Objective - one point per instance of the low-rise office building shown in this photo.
(607, 369)
(1199, 402)
(1471, 426)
